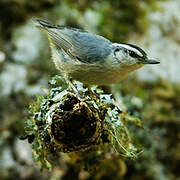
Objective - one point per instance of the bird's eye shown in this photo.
(133, 54)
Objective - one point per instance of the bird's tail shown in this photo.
(44, 24)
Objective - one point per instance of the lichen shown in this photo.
(62, 121)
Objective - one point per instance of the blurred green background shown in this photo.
(152, 93)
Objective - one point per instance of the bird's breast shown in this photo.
(93, 74)
(96, 75)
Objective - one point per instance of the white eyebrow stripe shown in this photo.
(129, 48)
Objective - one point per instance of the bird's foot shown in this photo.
(74, 88)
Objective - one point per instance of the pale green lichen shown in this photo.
(53, 122)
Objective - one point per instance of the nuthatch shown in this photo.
(90, 58)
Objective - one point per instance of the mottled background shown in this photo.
(152, 93)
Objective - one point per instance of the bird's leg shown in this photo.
(69, 80)
(72, 85)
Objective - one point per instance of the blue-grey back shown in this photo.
(78, 44)
(89, 47)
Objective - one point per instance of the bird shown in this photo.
(89, 58)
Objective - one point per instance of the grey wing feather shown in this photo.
(90, 48)
(79, 44)
(60, 41)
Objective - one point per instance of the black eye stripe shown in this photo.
(138, 48)
(130, 52)
(133, 54)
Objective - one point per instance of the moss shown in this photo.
(159, 110)
(63, 122)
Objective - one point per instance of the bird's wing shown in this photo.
(78, 44)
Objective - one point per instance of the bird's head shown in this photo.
(129, 55)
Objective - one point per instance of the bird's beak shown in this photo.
(149, 61)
